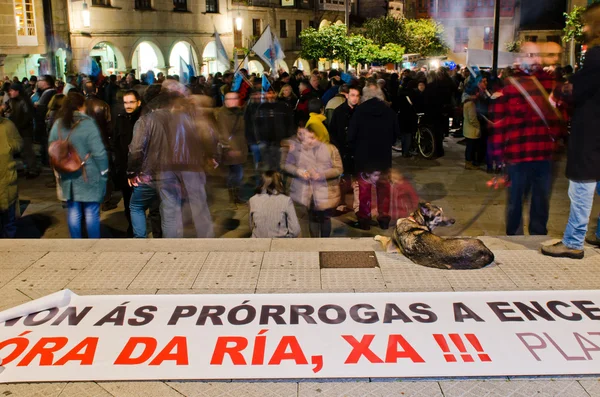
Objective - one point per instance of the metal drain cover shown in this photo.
(348, 259)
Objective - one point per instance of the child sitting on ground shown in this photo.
(272, 213)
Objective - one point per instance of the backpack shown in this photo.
(63, 155)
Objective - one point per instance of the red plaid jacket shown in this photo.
(521, 133)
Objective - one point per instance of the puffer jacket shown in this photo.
(10, 143)
(323, 159)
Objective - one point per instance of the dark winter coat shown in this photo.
(122, 138)
(22, 114)
(583, 156)
(373, 130)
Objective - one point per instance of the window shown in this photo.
(256, 30)
(101, 3)
(461, 39)
(311, 24)
(25, 20)
(488, 38)
(212, 6)
(143, 5)
(554, 39)
(180, 5)
(282, 28)
(298, 31)
(532, 39)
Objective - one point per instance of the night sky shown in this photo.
(543, 14)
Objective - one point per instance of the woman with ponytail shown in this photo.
(83, 189)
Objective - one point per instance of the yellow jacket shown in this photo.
(315, 123)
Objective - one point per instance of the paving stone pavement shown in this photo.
(30, 270)
(443, 181)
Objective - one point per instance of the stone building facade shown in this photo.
(468, 24)
(123, 34)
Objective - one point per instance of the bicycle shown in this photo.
(423, 139)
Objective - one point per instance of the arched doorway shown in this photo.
(255, 67)
(281, 64)
(147, 56)
(60, 57)
(210, 65)
(109, 57)
(185, 51)
(324, 23)
(302, 64)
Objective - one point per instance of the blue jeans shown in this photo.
(255, 149)
(143, 197)
(533, 177)
(8, 218)
(581, 195)
(76, 210)
(174, 188)
(235, 176)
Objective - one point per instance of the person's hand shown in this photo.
(135, 181)
(314, 175)
(234, 153)
(215, 164)
(303, 174)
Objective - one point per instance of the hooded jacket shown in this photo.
(583, 155)
(372, 133)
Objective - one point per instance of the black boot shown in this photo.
(235, 196)
(363, 223)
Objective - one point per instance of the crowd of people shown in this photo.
(320, 143)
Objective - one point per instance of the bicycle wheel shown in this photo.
(426, 142)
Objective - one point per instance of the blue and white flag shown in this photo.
(237, 82)
(265, 83)
(279, 54)
(184, 71)
(265, 48)
(222, 56)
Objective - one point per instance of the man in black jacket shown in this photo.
(372, 132)
(583, 156)
(338, 134)
(120, 145)
(338, 129)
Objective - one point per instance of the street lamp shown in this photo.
(238, 22)
(85, 15)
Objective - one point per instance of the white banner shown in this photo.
(277, 336)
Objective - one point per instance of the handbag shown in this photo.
(64, 157)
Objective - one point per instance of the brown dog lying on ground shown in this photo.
(412, 237)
